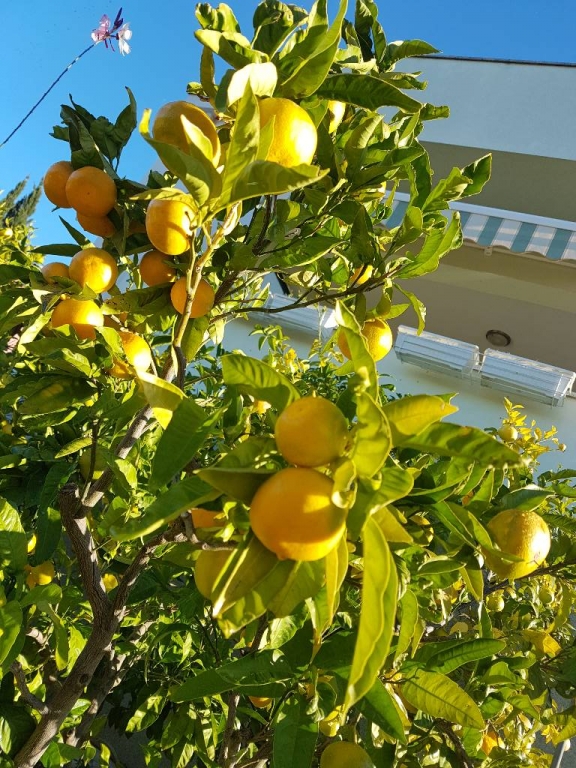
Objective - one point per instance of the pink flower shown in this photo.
(103, 30)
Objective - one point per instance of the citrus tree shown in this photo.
(268, 561)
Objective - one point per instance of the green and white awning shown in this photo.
(488, 231)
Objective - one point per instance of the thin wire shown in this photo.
(41, 99)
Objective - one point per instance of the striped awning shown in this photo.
(556, 243)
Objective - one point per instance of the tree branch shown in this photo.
(223, 757)
(539, 572)
(446, 728)
(25, 692)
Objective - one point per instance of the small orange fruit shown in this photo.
(378, 336)
(508, 433)
(205, 518)
(94, 268)
(208, 566)
(294, 138)
(40, 574)
(137, 353)
(345, 754)
(110, 582)
(261, 702)
(91, 191)
(101, 226)
(311, 432)
(155, 268)
(55, 181)
(336, 111)
(169, 224)
(83, 316)
(54, 269)
(520, 533)
(169, 128)
(203, 300)
(293, 515)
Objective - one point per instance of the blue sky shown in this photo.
(44, 37)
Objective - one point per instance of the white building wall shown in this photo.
(492, 105)
(479, 406)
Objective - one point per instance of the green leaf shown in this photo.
(262, 79)
(465, 443)
(230, 46)
(418, 306)
(221, 18)
(366, 91)
(408, 620)
(377, 615)
(395, 484)
(373, 440)
(446, 661)
(305, 67)
(42, 593)
(438, 696)
(379, 708)
(10, 623)
(60, 393)
(479, 172)
(437, 244)
(263, 177)
(411, 415)
(16, 726)
(405, 49)
(177, 499)
(242, 471)
(13, 540)
(259, 380)
(361, 359)
(295, 735)
(250, 672)
(163, 397)
(181, 440)
(527, 498)
(147, 713)
(273, 22)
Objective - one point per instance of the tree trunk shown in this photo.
(63, 701)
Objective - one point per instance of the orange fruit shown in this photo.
(137, 353)
(311, 432)
(292, 514)
(378, 336)
(83, 316)
(203, 300)
(336, 111)
(101, 226)
(294, 134)
(495, 601)
(94, 268)
(208, 566)
(362, 274)
(344, 754)
(169, 128)
(520, 533)
(91, 191)
(508, 433)
(40, 574)
(155, 268)
(55, 181)
(490, 739)
(31, 546)
(110, 582)
(261, 702)
(205, 518)
(169, 224)
(54, 269)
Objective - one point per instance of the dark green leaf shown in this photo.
(295, 735)
(366, 91)
(466, 443)
(378, 707)
(446, 661)
(13, 540)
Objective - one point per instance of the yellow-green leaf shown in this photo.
(410, 415)
(438, 696)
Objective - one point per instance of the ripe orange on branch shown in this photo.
(54, 183)
(293, 515)
(94, 268)
(203, 299)
(54, 269)
(311, 432)
(377, 335)
(169, 224)
(155, 268)
(91, 191)
(137, 353)
(520, 533)
(169, 128)
(83, 316)
(101, 226)
(344, 754)
(294, 137)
